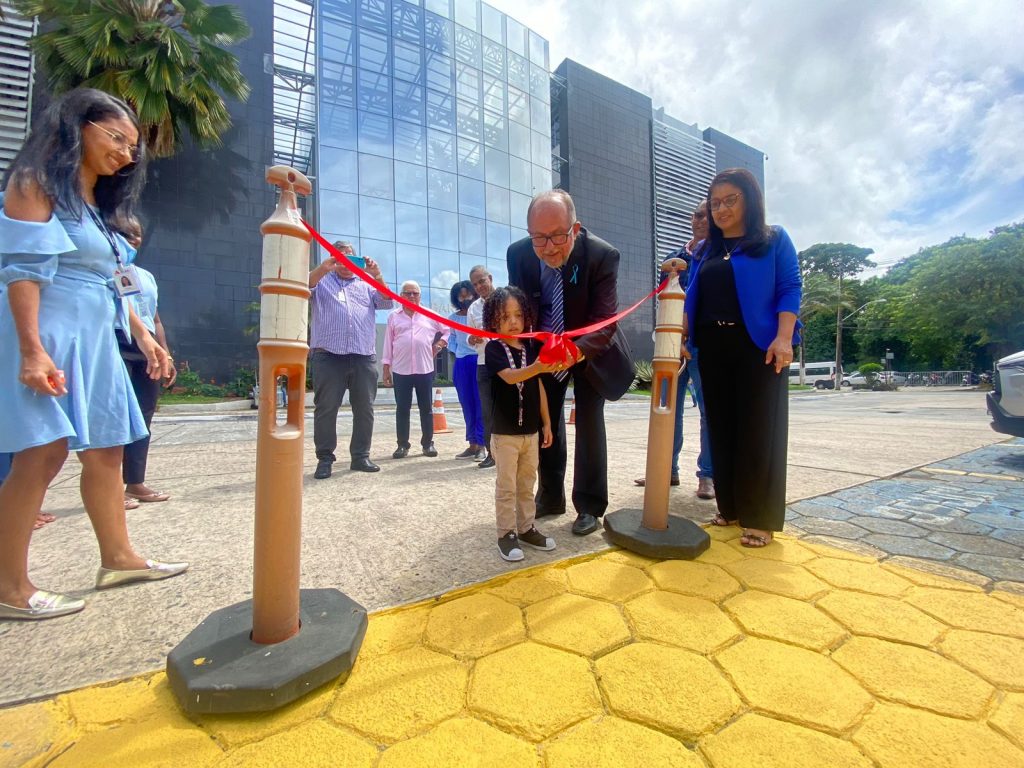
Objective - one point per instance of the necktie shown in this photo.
(558, 314)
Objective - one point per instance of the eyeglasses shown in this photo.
(540, 241)
(120, 142)
(410, 293)
(701, 215)
(728, 201)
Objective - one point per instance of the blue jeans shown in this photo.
(691, 375)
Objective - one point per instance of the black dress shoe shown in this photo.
(364, 465)
(400, 452)
(429, 450)
(323, 469)
(486, 463)
(584, 524)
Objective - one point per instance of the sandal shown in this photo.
(721, 522)
(756, 540)
(130, 503)
(149, 497)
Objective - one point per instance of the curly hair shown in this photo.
(494, 308)
(453, 295)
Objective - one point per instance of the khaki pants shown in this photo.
(516, 457)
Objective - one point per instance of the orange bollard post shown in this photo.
(572, 411)
(440, 420)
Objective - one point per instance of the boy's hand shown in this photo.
(546, 438)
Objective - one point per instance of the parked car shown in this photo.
(879, 380)
(1006, 401)
(831, 383)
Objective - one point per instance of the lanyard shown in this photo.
(101, 225)
(519, 386)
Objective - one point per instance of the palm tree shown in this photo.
(821, 295)
(161, 56)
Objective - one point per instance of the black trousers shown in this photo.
(483, 383)
(404, 387)
(590, 467)
(332, 376)
(747, 408)
(147, 391)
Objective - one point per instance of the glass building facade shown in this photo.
(434, 131)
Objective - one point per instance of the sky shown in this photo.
(891, 125)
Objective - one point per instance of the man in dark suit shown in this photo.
(569, 277)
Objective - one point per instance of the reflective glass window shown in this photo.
(518, 205)
(438, 35)
(466, 13)
(383, 252)
(496, 164)
(494, 59)
(441, 151)
(339, 211)
(440, 110)
(491, 23)
(408, 102)
(410, 183)
(337, 126)
(541, 148)
(468, 120)
(471, 159)
(337, 41)
(520, 175)
(373, 52)
(518, 106)
(494, 94)
(376, 177)
(495, 130)
(498, 204)
(444, 273)
(471, 238)
(413, 260)
(515, 36)
(338, 169)
(444, 231)
(410, 142)
(440, 7)
(408, 62)
(467, 82)
(499, 268)
(471, 197)
(498, 241)
(439, 72)
(540, 116)
(407, 22)
(540, 83)
(376, 218)
(519, 140)
(442, 190)
(374, 92)
(337, 84)
(343, 10)
(410, 224)
(518, 72)
(374, 14)
(467, 46)
(375, 136)
(538, 50)
(541, 179)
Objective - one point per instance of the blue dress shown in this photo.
(74, 265)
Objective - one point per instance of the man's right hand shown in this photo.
(387, 376)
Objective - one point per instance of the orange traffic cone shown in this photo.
(440, 421)
(572, 412)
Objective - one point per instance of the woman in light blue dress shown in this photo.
(63, 385)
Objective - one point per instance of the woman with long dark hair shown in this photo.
(741, 312)
(464, 373)
(63, 385)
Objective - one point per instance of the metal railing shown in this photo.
(928, 378)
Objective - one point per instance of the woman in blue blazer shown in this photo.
(741, 312)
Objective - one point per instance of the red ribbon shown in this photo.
(557, 348)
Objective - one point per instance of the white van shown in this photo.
(1006, 402)
(821, 375)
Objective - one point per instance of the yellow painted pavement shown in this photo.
(794, 656)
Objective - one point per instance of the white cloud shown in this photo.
(890, 125)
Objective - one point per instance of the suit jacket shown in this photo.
(589, 289)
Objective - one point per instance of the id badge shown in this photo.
(126, 281)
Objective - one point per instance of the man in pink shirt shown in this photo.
(411, 342)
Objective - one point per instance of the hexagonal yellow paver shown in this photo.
(723, 533)
(1009, 718)
(311, 745)
(743, 744)
(840, 549)
(882, 617)
(131, 701)
(614, 743)
(534, 690)
(975, 610)
(783, 549)
(1013, 598)
(681, 620)
(607, 580)
(578, 624)
(33, 730)
(533, 587)
(997, 658)
(720, 553)
(925, 573)
(150, 744)
(914, 676)
(795, 683)
(672, 690)
(463, 742)
(394, 631)
(474, 626)
(694, 578)
(785, 619)
(911, 738)
(395, 696)
(783, 579)
(625, 557)
(858, 576)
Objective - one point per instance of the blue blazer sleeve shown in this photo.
(788, 284)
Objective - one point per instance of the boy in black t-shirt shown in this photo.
(519, 412)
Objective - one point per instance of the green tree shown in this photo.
(164, 57)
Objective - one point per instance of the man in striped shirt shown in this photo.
(343, 356)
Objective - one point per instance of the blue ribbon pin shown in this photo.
(575, 274)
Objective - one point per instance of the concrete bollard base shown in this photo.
(217, 668)
(682, 540)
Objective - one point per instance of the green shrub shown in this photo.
(644, 375)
